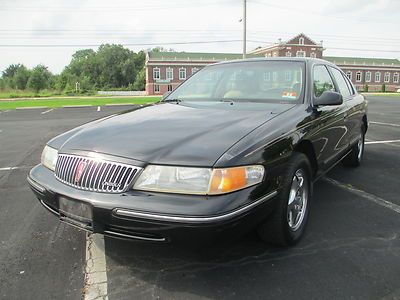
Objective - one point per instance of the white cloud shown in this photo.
(357, 24)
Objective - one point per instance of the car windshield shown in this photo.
(257, 81)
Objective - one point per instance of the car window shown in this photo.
(322, 81)
(341, 82)
(350, 85)
(258, 81)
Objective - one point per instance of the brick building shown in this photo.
(166, 70)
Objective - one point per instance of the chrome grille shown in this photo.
(96, 175)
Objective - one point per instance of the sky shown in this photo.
(49, 31)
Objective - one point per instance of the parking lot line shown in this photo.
(47, 111)
(15, 168)
(382, 142)
(368, 196)
(385, 124)
(95, 270)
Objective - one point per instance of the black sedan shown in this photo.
(234, 148)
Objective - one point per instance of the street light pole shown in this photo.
(244, 29)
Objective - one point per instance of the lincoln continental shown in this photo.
(235, 148)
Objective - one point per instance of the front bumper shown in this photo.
(155, 217)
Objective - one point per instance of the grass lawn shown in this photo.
(95, 101)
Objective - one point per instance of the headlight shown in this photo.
(49, 157)
(198, 181)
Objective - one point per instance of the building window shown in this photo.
(169, 74)
(288, 54)
(274, 76)
(313, 55)
(288, 76)
(194, 70)
(301, 41)
(300, 53)
(387, 77)
(156, 73)
(169, 89)
(156, 88)
(358, 76)
(396, 77)
(267, 76)
(377, 76)
(348, 74)
(368, 76)
(182, 74)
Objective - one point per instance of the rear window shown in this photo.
(341, 82)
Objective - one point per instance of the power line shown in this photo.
(308, 12)
(175, 43)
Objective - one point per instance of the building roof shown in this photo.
(184, 56)
(362, 61)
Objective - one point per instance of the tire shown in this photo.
(354, 158)
(283, 228)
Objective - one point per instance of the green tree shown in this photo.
(16, 76)
(140, 81)
(39, 78)
(21, 77)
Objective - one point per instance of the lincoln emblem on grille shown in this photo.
(111, 184)
(79, 171)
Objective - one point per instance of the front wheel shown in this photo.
(287, 224)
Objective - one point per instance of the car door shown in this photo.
(355, 107)
(349, 99)
(330, 136)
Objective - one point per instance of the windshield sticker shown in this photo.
(289, 95)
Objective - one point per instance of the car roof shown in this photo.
(307, 60)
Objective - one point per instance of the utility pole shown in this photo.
(244, 29)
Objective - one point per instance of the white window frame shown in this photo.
(368, 76)
(288, 54)
(156, 88)
(386, 78)
(378, 75)
(154, 73)
(194, 70)
(274, 76)
(313, 55)
(301, 51)
(349, 74)
(267, 76)
(169, 71)
(288, 76)
(182, 77)
(359, 76)
(396, 77)
(170, 88)
(301, 41)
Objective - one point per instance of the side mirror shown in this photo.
(165, 95)
(328, 98)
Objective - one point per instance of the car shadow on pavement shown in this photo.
(337, 247)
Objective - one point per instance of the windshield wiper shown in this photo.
(172, 100)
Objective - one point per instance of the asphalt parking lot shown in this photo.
(351, 248)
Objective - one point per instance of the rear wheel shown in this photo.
(287, 224)
(354, 158)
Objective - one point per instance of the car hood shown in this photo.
(176, 134)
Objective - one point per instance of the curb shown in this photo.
(119, 104)
(73, 106)
(33, 107)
